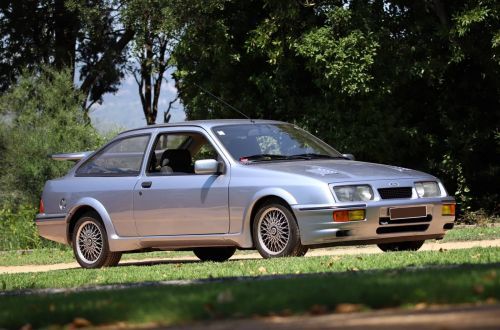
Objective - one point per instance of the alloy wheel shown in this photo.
(273, 231)
(90, 242)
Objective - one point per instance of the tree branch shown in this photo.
(113, 52)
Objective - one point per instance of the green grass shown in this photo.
(472, 233)
(167, 305)
(65, 254)
(198, 270)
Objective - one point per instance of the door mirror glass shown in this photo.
(206, 166)
(349, 156)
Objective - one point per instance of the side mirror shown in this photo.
(206, 166)
(349, 156)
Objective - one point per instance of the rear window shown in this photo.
(120, 158)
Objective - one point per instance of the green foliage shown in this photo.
(415, 84)
(342, 55)
(43, 116)
(169, 305)
(19, 230)
(77, 34)
(480, 218)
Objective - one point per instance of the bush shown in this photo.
(478, 218)
(19, 230)
(39, 116)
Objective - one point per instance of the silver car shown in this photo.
(216, 186)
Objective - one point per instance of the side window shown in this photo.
(123, 157)
(206, 151)
(175, 153)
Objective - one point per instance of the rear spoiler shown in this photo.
(75, 156)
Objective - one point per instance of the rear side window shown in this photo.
(121, 158)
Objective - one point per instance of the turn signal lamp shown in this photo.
(348, 215)
(448, 209)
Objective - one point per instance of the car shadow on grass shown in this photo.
(174, 261)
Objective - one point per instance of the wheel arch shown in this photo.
(89, 205)
(262, 198)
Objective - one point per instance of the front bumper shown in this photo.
(317, 227)
(52, 227)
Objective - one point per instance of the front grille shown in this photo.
(393, 193)
(401, 229)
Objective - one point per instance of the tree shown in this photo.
(41, 115)
(411, 83)
(152, 46)
(78, 34)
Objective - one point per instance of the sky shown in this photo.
(123, 109)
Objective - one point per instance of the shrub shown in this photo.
(479, 218)
(39, 116)
(19, 230)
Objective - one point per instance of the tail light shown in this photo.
(42, 207)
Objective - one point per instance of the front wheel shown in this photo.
(276, 233)
(216, 254)
(401, 246)
(90, 243)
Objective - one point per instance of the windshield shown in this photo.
(267, 142)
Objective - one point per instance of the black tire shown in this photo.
(280, 238)
(95, 253)
(401, 246)
(216, 254)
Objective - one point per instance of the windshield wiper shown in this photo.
(262, 157)
(271, 157)
(314, 156)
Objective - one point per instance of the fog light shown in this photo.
(348, 215)
(448, 209)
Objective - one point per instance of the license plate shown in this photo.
(407, 212)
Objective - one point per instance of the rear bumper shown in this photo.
(52, 227)
(318, 229)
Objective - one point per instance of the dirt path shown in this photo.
(450, 317)
(429, 246)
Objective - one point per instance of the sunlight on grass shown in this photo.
(163, 271)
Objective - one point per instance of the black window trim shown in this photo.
(100, 151)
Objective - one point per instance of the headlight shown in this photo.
(427, 189)
(353, 193)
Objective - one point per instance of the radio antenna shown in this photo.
(222, 101)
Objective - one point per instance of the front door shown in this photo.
(170, 199)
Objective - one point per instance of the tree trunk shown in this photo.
(66, 25)
(146, 77)
(113, 51)
(162, 66)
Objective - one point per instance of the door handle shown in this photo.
(146, 184)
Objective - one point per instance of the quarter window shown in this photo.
(120, 158)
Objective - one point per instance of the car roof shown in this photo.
(207, 124)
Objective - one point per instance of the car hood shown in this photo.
(342, 170)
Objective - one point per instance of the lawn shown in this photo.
(65, 255)
(162, 271)
(313, 293)
(472, 233)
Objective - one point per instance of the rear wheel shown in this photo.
(90, 243)
(276, 233)
(217, 254)
(401, 246)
